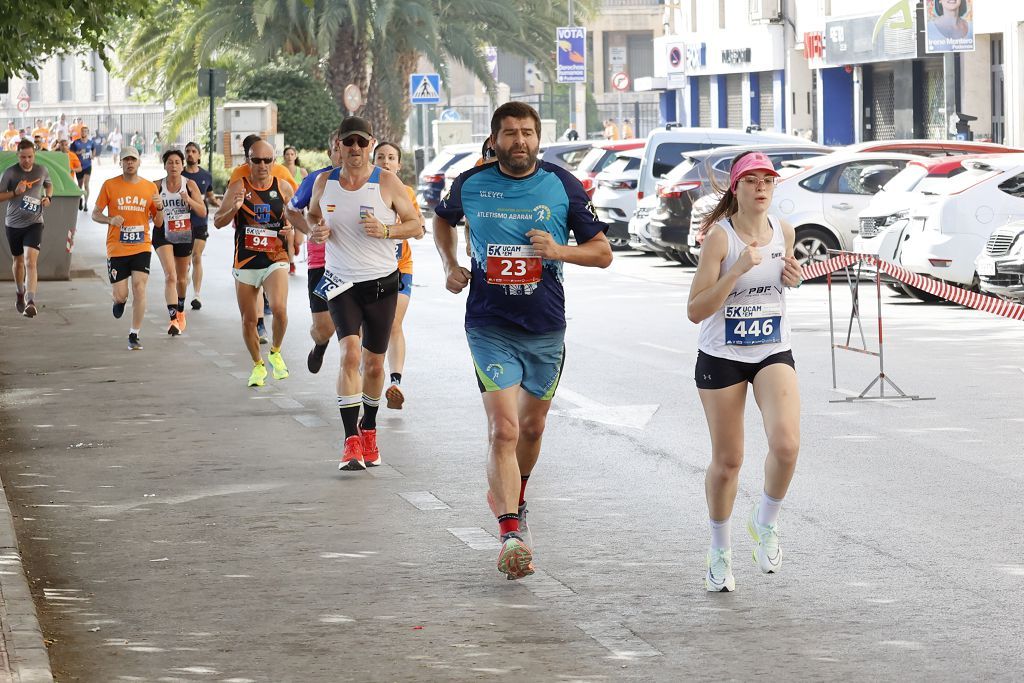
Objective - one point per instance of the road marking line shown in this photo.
(424, 500)
(223, 363)
(543, 585)
(286, 403)
(308, 420)
(384, 472)
(209, 353)
(475, 537)
(662, 348)
(617, 639)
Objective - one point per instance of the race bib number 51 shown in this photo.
(753, 324)
(513, 264)
(261, 239)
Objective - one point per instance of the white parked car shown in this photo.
(822, 201)
(947, 235)
(615, 195)
(639, 223)
(1001, 265)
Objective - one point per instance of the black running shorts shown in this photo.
(180, 250)
(120, 267)
(718, 373)
(19, 238)
(316, 304)
(367, 307)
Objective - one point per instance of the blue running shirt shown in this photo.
(500, 210)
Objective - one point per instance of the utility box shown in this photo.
(451, 133)
(59, 218)
(548, 131)
(238, 120)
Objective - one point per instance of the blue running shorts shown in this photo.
(506, 356)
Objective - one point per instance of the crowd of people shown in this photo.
(524, 220)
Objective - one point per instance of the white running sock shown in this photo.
(132, 330)
(720, 534)
(768, 510)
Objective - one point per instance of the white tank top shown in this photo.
(752, 324)
(351, 254)
(174, 206)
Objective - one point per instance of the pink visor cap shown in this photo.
(755, 161)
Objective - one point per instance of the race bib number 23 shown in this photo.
(513, 264)
(753, 324)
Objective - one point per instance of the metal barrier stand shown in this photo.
(853, 281)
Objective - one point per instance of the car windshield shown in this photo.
(620, 165)
(680, 170)
(593, 160)
(907, 179)
(442, 161)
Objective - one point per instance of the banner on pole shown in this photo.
(571, 54)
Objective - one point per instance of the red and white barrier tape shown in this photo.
(981, 302)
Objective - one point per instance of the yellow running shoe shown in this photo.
(259, 373)
(280, 369)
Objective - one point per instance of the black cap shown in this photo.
(355, 125)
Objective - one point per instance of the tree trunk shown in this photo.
(387, 102)
(347, 64)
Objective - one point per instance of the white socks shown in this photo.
(768, 510)
(720, 534)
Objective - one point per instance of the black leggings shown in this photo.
(368, 308)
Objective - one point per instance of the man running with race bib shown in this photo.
(359, 210)
(520, 213)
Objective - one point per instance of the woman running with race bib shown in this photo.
(737, 295)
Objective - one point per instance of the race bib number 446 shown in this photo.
(261, 239)
(753, 324)
(513, 264)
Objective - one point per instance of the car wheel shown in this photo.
(812, 245)
(619, 244)
(691, 258)
(897, 288)
(665, 255)
(920, 294)
(678, 257)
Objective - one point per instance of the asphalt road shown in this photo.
(178, 526)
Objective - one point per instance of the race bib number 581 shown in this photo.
(753, 324)
(513, 264)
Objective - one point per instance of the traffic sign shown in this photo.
(451, 115)
(212, 82)
(352, 97)
(571, 54)
(425, 88)
(23, 104)
(620, 81)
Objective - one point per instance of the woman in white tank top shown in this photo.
(738, 297)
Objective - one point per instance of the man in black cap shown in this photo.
(359, 210)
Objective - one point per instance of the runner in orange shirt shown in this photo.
(388, 156)
(130, 202)
(73, 162)
(9, 134)
(43, 132)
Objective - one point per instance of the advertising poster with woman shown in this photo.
(949, 26)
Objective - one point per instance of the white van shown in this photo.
(665, 148)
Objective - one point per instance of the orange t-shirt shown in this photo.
(276, 170)
(44, 133)
(76, 131)
(403, 253)
(74, 162)
(8, 134)
(133, 202)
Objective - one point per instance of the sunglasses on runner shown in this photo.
(354, 139)
(262, 160)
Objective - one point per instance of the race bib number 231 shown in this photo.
(513, 264)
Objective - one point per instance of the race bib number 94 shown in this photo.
(753, 324)
(513, 264)
(260, 239)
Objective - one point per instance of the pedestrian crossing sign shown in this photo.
(425, 88)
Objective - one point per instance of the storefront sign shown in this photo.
(853, 40)
(696, 56)
(814, 49)
(949, 31)
(740, 56)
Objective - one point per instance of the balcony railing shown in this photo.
(620, 4)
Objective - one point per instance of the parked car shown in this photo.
(639, 223)
(930, 148)
(432, 178)
(568, 155)
(946, 235)
(600, 155)
(694, 178)
(614, 198)
(1000, 266)
(666, 146)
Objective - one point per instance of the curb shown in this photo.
(22, 636)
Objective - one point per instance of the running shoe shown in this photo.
(172, 327)
(30, 309)
(20, 302)
(180, 318)
(767, 554)
(395, 397)
(258, 375)
(291, 269)
(352, 456)
(515, 560)
(719, 578)
(119, 308)
(133, 342)
(315, 359)
(196, 303)
(368, 443)
(261, 330)
(280, 369)
(524, 526)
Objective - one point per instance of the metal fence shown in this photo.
(643, 116)
(145, 123)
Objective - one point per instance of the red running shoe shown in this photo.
(371, 454)
(352, 457)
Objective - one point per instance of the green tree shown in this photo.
(306, 112)
(47, 27)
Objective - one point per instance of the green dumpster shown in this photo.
(60, 218)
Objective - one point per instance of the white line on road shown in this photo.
(308, 420)
(475, 537)
(543, 585)
(208, 352)
(617, 639)
(286, 403)
(424, 500)
(633, 417)
(663, 348)
(385, 472)
(223, 363)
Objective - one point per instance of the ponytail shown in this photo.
(727, 204)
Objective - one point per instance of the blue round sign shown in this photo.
(450, 115)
